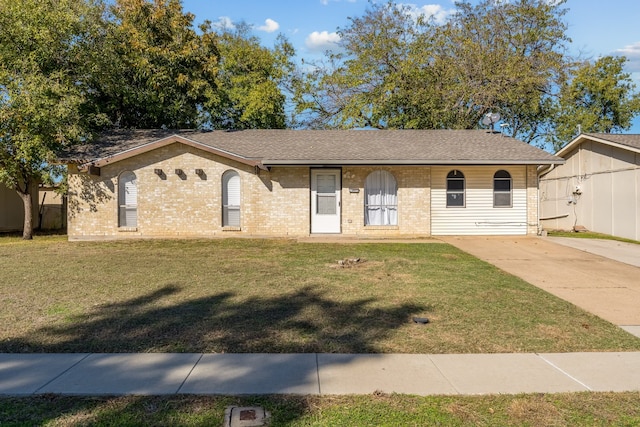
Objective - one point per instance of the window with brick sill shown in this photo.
(231, 200)
(381, 227)
(381, 200)
(127, 200)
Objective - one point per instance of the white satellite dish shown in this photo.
(490, 119)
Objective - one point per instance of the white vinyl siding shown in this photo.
(231, 199)
(479, 216)
(127, 200)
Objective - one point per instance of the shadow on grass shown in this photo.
(144, 410)
(149, 410)
(304, 321)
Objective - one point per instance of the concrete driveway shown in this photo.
(607, 288)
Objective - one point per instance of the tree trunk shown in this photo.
(27, 231)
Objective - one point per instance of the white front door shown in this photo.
(325, 200)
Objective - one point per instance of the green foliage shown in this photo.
(153, 69)
(368, 82)
(396, 71)
(41, 46)
(600, 97)
(250, 77)
(501, 57)
(72, 67)
(393, 70)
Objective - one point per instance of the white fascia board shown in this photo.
(410, 162)
(582, 138)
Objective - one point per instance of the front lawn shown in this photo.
(574, 409)
(590, 235)
(272, 296)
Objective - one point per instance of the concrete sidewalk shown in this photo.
(325, 374)
(628, 253)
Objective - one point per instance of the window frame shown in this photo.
(123, 207)
(226, 207)
(496, 192)
(385, 208)
(456, 175)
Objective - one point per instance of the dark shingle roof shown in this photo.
(630, 140)
(304, 147)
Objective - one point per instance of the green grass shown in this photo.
(277, 296)
(583, 409)
(590, 235)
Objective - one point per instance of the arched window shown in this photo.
(127, 200)
(502, 189)
(380, 199)
(455, 189)
(231, 199)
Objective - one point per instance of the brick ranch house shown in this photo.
(294, 183)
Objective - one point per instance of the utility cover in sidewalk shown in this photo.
(252, 416)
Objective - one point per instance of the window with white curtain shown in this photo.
(127, 200)
(380, 199)
(502, 189)
(231, 199)
(455, 189)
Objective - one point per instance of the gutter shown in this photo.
(334, 162)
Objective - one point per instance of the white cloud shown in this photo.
(432, 11)
(224, 23)
(269, 26)
(319, 41)
(632, 52)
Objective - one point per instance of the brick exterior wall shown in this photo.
(532, 200)
(414, 195)
(273, 203)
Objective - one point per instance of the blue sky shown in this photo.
(596, 27)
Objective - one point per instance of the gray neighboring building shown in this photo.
(12, 209)
(598, 187)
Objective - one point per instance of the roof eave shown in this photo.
(140, 149)
(346, 162)
(586, 137)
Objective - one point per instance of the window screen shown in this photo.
(127, 200)
(455, 189)
(502, 189)
(231, 199)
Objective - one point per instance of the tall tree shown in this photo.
(600, 97)
(394, 70)
(364, 82)
(505, 57)
(41, 45)
(251, 79)
(154, 69)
